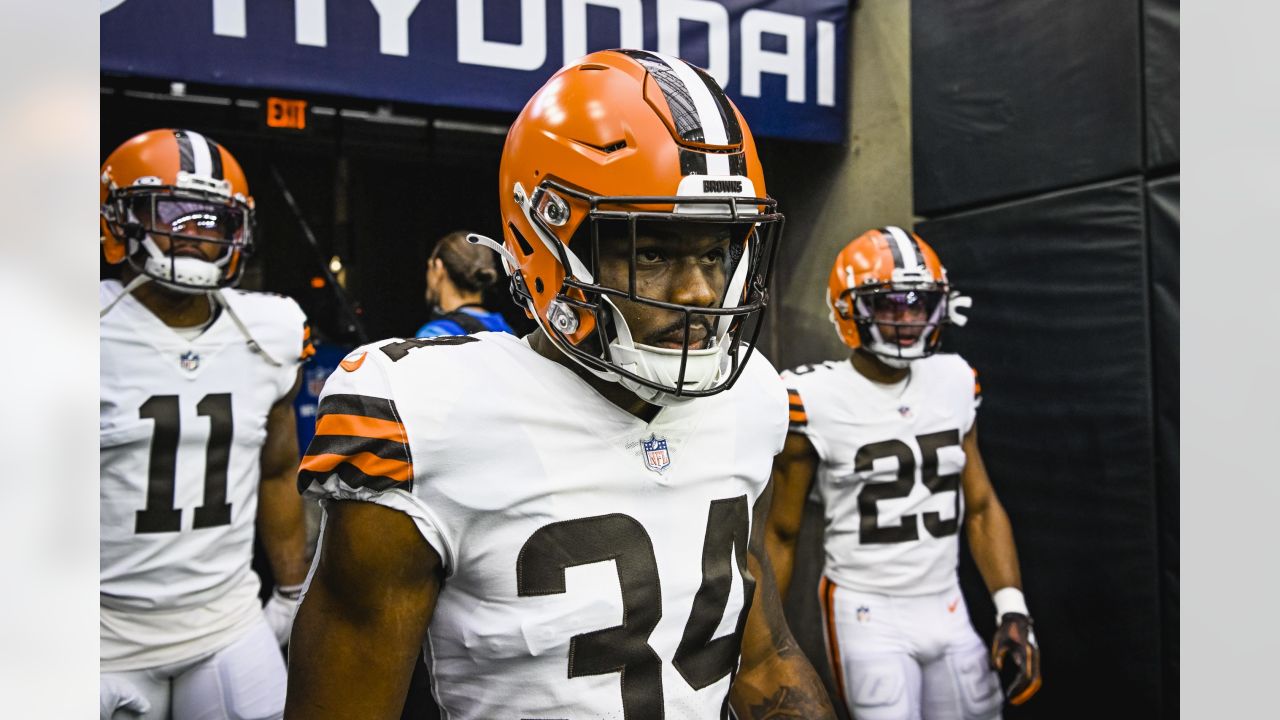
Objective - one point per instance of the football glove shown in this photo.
(1015, 639)
(280, 610)
(115, 694)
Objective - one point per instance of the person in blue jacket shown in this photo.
(457, 274)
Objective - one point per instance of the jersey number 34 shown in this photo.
(625, 648)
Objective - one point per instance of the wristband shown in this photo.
(1009, 600)
(289, 592)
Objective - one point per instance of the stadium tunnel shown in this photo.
(1033, 144)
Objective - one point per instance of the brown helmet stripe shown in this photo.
(215, 159)
(893, 247)
(700, 113)
(186, 153)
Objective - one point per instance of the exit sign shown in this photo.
(286, 113)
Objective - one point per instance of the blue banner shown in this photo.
(782, 61)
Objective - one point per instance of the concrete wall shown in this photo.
(830, 194)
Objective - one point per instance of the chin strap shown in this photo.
(134, 284)
(253, 344)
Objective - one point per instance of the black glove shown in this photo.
(1016, 639)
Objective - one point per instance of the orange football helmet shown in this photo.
(888, 294)
(621, 139)
(183, 188)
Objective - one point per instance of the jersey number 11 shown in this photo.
(160, 515)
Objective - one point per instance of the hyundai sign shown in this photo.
(782, 61)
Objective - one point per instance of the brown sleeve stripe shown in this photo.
(354, 444)
(364, 405)
(361, 439)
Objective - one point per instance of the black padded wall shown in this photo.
(1045, 141)
(1012, 98)
(1162, 221)
(1059, 335)
(1160, 72)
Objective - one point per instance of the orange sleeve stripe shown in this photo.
(798, 416)
(367, 463)
(361, 426)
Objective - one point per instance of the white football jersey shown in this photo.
(579, 543)
(889, 471)
(181, 428)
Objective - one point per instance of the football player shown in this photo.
(890, 435)
(570, 524)
(197, 441)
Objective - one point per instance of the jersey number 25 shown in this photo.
(869, 529)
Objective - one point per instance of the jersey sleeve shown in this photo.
(797, 418)
(768, 402)
(970, 393)
(799, 390)
(362, 449)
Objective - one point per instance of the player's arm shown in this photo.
(986, 523)
(775, 679)
(280, 525)
(793, 470)
(361, 625)
(991, 543)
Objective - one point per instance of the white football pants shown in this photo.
(907, 657)
(243, 681)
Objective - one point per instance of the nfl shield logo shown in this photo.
(864, 614)
(656, 457)
(315, 380)
(189, 361)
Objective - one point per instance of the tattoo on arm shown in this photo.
(778, 680)
(788, 704)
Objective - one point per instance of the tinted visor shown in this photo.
(911, 306)
(194, 219)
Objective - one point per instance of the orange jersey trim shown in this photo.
(368, 463)
(827, 594)
(361, 426)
